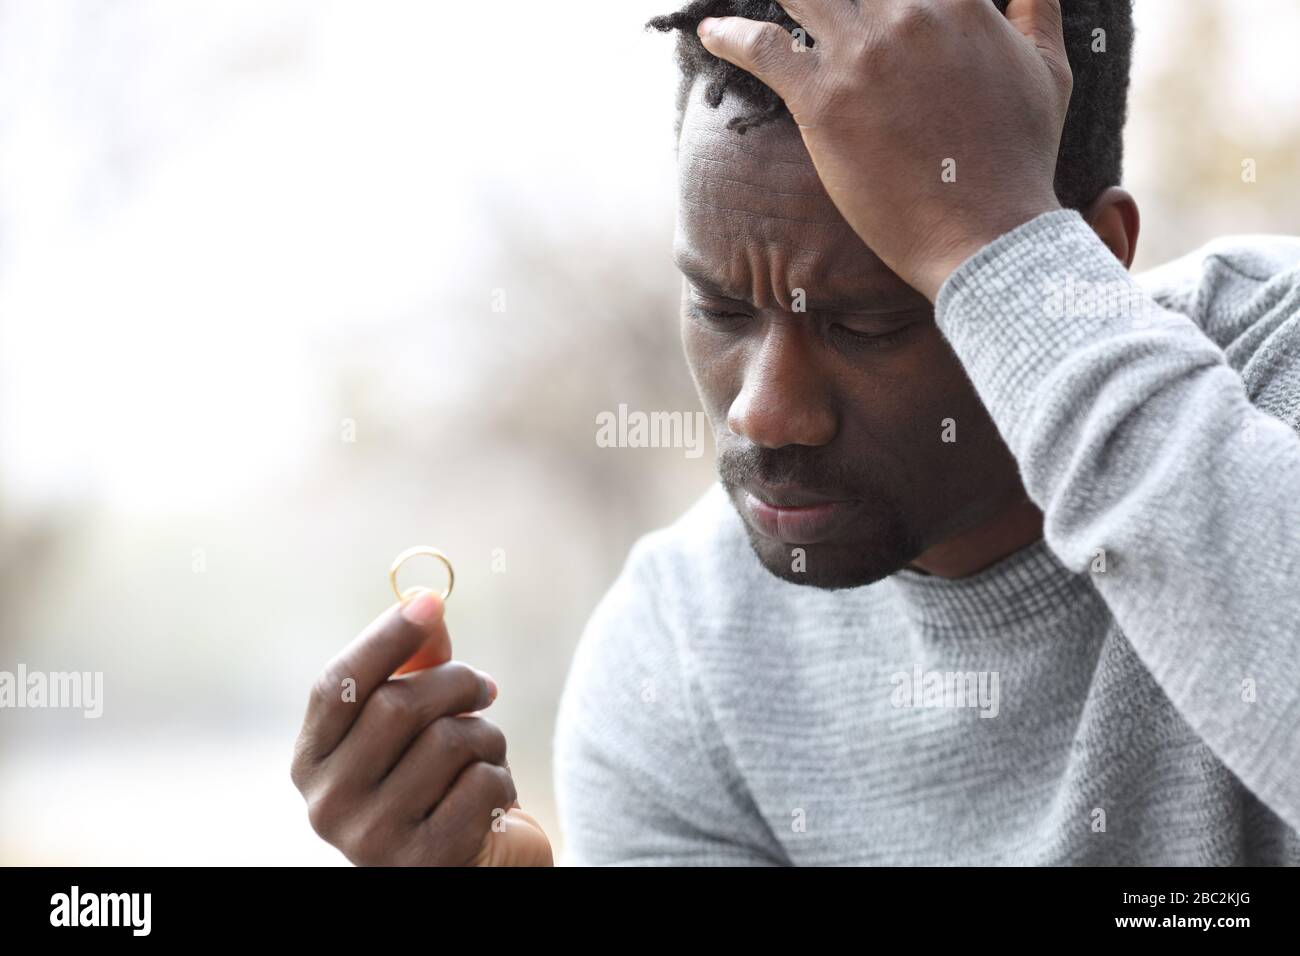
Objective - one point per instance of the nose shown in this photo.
(784, 399)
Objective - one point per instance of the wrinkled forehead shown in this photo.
(758, 195)
(764, 174)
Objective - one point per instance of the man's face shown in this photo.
(828, 384)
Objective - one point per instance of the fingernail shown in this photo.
(491, 685)
(706, 26)
(421, 609)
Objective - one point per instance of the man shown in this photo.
(1002, 567)
(1113, 593)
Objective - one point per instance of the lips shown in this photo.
(794, 515)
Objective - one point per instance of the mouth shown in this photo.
(792, 514)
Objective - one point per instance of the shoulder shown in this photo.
(699, 569)
(702, 557)
(640, 772)
(674, 580)
(1243, 292)
(1228, 282)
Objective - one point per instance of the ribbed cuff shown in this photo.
(1013, 310)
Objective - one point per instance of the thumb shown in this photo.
(1042, 23)
(765, 50)
(515, 839)
(436, 648)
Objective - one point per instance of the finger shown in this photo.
(352, 676)
(435, 650)
(1039, 20)
(459, 824)
(817, 15)
(515, 839)
(435, 759)
(765, 50)
(1042, 23)
(403, 707)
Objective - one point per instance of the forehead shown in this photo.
(754, 204)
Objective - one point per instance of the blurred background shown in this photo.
(287, 286)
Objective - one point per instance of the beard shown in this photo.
(879, 542)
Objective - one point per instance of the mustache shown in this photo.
(801, 465)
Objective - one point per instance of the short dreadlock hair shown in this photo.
(1092, 142)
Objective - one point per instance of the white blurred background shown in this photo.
(235, 235)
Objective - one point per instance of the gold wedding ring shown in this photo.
(411, 553)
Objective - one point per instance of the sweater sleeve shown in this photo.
(1155, 474)
(641, 774)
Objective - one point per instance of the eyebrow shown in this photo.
(702, 280)
(709, 284)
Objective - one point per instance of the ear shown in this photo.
(1115, 219)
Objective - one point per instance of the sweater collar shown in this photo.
(1026, 586)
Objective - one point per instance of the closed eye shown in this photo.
(879, 333)
(875, 332)
(714, 311)
(715, 315)
(871, 341)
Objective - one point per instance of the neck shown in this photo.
(971, 551)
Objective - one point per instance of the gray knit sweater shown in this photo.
(1126, 691)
